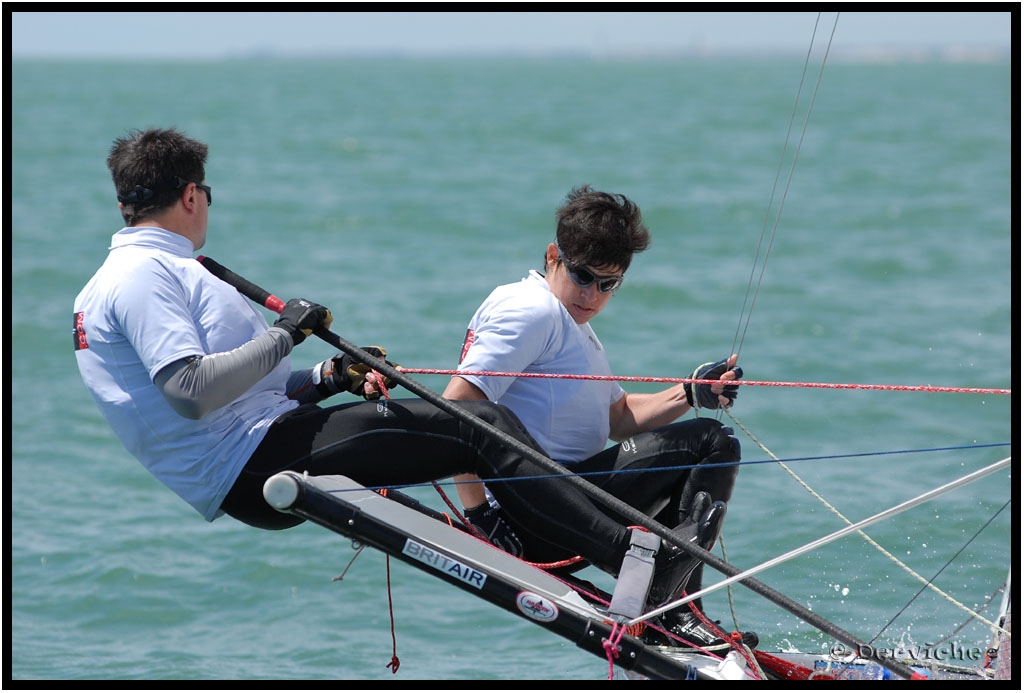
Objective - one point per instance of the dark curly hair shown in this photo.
(600, 229)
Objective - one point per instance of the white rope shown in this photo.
(895, 510)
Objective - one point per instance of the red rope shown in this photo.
(756, 383)
(375, 378)
(394, 663)
(786, 669)
(611, 648)
(734, 638)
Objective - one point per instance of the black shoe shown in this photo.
(690, 634)
(673, 565)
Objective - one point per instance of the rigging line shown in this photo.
(1004, 607)
(881, 549)
(775, 185)
(895, 510)
(751, 383)
(732, 601)
(981, 608)
(740, 337)
(939, 572)
(707, 465)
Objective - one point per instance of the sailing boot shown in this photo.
(673, 565)
(688, 633)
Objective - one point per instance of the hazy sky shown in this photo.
(213, 34)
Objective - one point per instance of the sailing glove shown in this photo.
(301, 317)
(344, 373)
(492, 524)
(700, 394)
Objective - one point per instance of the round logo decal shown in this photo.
(536, 607)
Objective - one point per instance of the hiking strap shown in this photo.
(635, 576)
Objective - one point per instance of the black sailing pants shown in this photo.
(411, 441)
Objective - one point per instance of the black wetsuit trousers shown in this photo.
(410, 441)
(658, 473)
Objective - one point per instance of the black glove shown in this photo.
(491, 523)
(705, 398)
(344, 373)
(300, 317)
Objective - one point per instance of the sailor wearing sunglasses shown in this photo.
(541, 324)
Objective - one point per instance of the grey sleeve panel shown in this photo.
(196, 386)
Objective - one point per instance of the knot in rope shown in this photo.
(611, 647)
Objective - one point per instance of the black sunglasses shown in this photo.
(205, 188)
(582, 277)
(141, 194)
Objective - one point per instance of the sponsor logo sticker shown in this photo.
(536, 607)
(79, 331)
(444, 564)
(466, 344)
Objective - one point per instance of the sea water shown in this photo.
(398, 192)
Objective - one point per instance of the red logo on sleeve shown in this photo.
(470, 338)
(79, 331)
